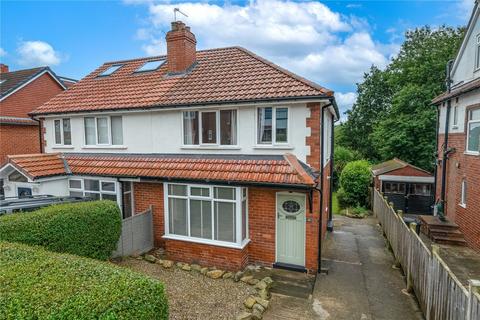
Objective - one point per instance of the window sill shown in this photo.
(63, 147)
(206, 147)
(104, 147)
(471, 153)
(274, 147)
(208, 242)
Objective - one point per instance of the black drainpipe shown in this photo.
(320, 213)
(435, 172)
(330, 200)
(441, 211)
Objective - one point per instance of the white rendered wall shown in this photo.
(464, 101)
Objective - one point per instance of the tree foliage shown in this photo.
(393, 116)
(354, 181)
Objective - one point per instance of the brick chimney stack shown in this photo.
(181, 48)
(3, 68)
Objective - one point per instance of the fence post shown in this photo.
(413, 227)
(472, 285)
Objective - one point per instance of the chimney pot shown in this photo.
(181, 48)
(3, 68)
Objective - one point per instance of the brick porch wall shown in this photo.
(462, 166)
(260, 250)
(18, 139)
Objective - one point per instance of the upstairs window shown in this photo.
(272, 125)
(473, 126)
(62, 131)
(477, 53)
(110, 70)
(150, 66)
(103, 130)
(217, 127)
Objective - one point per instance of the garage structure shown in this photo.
(411, 189)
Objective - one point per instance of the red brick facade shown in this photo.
(18, 139)
(181, 47)
(462, 166)
(24, 139)
(33, 95)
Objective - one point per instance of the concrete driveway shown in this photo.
(361, 283)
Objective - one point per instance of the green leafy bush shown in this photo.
(342, 156)
(355, 182)
(89, 229)
(39, 284)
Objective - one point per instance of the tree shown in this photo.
(373, 102)
(342, 156)
(355, 182)
(417, 75)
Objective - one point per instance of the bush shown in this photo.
(342, 156)
(355, 181)
(89, 229)
(39, 284)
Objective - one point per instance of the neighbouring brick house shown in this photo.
(21, 92)
(409, 188)
(458, 170)
(232, 152)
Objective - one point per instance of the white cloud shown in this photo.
(2, 52)
(308, 38)
(345, 102)
(37, 53)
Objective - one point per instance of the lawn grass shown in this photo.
(335, 206)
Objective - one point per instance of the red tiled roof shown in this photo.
(18, 121)
(247, 169)
(39, 165)
(220, 75)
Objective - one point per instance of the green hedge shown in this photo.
(89, 229)
(39, 284)
(354, 184)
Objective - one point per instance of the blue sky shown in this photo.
(329, 42)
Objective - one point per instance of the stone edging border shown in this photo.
(256, 304)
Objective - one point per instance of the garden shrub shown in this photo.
(89, 229)
(355, 182)
(39, 284)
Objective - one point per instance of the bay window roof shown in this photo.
(236, 169)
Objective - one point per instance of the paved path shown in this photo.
(361, 283)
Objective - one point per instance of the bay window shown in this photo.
(218, 127)
(473, 134)
(272, 125)
(208, 214)
(103, 130)
(93, 188)
(62, 131)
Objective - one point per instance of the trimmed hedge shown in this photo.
(39, 284)
(355, 182)
(89, 229)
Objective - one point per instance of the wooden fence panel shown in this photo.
(440, 294)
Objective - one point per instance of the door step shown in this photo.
(443, 232)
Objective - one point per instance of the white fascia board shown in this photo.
(8, 168)
(386, 177)
(196, 107)
(33, 79)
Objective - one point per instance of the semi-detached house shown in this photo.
(232, 152)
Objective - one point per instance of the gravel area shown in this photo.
(192, 295)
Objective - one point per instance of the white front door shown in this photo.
(291, 228)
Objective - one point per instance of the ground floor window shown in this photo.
(394, 187)
(463, 195)
(210, 214)
(95, 189)
(420, 189)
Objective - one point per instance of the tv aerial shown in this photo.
(175, 10)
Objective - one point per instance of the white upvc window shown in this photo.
(477, 53)
(96, 189)
(207, 214)
(473, 131)
(103, 130)
(455, 115)
(272, 125)
(463, 193)
(62, 132)
(210, 127)
(128, 205)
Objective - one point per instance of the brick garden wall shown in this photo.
(18, 139)
(462, 166)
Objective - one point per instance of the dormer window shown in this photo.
(151, 65)
(110, 70)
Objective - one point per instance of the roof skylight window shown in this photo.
(151, 65)
(110, 70)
